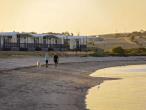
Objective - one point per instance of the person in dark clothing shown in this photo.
(46, 60)
(56, 58)
(46, 63)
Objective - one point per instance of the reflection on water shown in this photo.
(129, 93)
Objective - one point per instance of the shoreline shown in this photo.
(112, 95)
(63, 88)
(113, 64)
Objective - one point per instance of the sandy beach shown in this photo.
(61, 88)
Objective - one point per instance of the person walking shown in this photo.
(46, 60)
(56, 58)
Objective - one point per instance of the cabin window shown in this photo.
(36, 40)
(55, 41)
(44, 40)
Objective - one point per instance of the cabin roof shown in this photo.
(43, 35)
(38, 35)
(75, 37)
(8, 33)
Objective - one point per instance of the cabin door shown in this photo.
(18, 41)
(7, 41)
(77, 44)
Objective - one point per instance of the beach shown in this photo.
(28, 87)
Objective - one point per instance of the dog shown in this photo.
(38, 64)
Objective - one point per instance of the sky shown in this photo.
(88, 17)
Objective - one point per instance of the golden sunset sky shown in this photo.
(77, 16)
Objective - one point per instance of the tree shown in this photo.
(66, 33)
(72, 34)
(33, 32)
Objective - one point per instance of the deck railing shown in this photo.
(26, 46)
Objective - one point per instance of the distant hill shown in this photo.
(125, 40)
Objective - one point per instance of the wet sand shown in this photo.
(61, 88)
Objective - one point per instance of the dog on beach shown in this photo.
(38, 64)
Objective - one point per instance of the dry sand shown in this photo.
(61, 88)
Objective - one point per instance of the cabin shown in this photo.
(43, 42)
(15, 41)
(77, 42)
(93, 41)
(7, 40)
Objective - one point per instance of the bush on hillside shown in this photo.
(118, 51)
(98, 53)
(136, 52)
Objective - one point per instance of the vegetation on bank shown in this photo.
(119, 51)
(128, 52)
(16, 54)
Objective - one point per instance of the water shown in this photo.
(128, 93)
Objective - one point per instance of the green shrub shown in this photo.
(98, 53)
(136, 52)
(118, 51)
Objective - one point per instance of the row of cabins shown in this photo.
(16, 41)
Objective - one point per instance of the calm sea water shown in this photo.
(128, 93)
